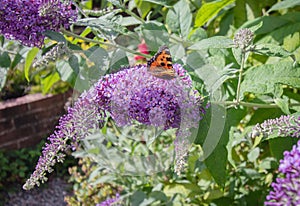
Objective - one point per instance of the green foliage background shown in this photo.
(249, 87)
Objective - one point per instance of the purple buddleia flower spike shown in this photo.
(286, 189)
(130, 95)
(26, 20)
(285, 125)
(80, 121)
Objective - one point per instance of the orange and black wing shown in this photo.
(160, 65)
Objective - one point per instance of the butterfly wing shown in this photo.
(160, 65)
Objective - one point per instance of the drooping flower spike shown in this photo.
(132, 94)
(286, 188)
(285, 125)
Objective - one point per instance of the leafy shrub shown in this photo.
(242, 54)
(86, 190)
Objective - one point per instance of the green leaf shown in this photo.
(179, 18)
(234, 140)
(278, 35)
(269, 24)
(118, 60)
(172, 189)
(137, 198)
(209, 11)
(177, 51)
(165, 3)
(98, 56)
(284, 5)
(280, 144)
(144, 7)
(262, 114)
(253, 154)
(55, 36)
(102, 179)
(155, 35)
(5, 60)
(159, 195)
(240, 13)
(197, 34)
(268, 163)
(216, 42)
(270, 50)
(129, 21)
(84, 33)
(283, 104)
(262, 79)
(66, 72)
(28, 61)
(73, 61)
(48, 81)
(16, 60)
(251, 173)
(237, 53)
(107, 26)
(216, 162)
(116, 3)
(3, 76)
(254, 28)
(195, 60)
(213, 77)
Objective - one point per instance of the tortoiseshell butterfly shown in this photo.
(160, 65)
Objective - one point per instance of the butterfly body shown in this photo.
(160, 65)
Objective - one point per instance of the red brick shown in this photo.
(12, 111)
(29, 124)
(44, 128)
(16, 134)
(29, 141)
(9, 145)
(48, 100)
(7, 125)
(27, 119)
(47, 123)
(48, 113)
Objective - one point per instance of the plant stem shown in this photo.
(8, 51)
(104, 43)
(79, 9)
(240, 79)
(133, 15)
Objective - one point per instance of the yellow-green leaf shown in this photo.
(28, 61)
(209, 11)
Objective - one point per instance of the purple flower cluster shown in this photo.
(129, 95)
(111, 201)
(285, 125)
(26, 20)
(286, 189)
(134, 94)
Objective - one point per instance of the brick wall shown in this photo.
(26, 120)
